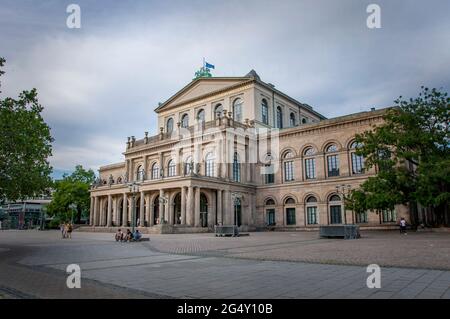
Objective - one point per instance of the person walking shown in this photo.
(403, 226)
(62, 227)
(69, 230)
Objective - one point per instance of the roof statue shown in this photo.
(203, 72)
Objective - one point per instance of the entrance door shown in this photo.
(270, 217)
(335, 214)
(203, 211)
(177, 209)
(156, 219)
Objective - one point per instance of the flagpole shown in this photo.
(203, 62)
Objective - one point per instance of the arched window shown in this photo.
(332, 160)
(290, 211)
(335, 207)
(209, 164)
(311, 211)
(310, 163)
(304, 121)
(292, 121)
(155, 171)
(140, 173)
(218, 111)
(357, 160)
(236, 168)
(270, 202)
(288, 166)
(201, 115)
(171, 168)
(169, 125)
(269, 174)
(237, 110)
(279, 117)
(188, 165)
(264, 112)
(289, 201)
(185, 121)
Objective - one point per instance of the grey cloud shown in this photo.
(101, 83)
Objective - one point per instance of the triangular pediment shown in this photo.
(200, 87)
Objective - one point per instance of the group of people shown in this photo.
(128, 235)
(66, 230)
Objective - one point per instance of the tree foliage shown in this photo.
(411, 153)
(25, 146)
(72, 190)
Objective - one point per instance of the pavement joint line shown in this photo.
(93, 261)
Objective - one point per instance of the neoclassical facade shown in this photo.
(235, 150)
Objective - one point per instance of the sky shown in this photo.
(100, 83)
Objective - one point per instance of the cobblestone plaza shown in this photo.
(261, 265)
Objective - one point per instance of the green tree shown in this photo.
(72, 190)
(411, 153)
(25, 146)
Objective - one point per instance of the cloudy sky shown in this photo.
(101, 83)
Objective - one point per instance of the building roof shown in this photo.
(233, 82)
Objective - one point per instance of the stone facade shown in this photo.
(237, 151)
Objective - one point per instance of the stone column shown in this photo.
(142, 210)
(124, 210)
(109, 212)
(183, 205)
(227, 211)
(212, 212)
(190, 206)
(161, 206)
(171, 212)
(151, 221)
(219, 207)
(91, 212)
(249, 212)
(95, 218)
(147, 209)
(101, 212)
(197, 207)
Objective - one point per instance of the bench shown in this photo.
(226, 230)
(340, 231)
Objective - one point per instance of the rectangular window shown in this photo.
(269, 176)
(289, 171)
(357, 164)
(310, 168)
(389, 216)
(361, 218)
(333, 165)
(210, 168)
(311, 215)
(236, 171)
(155, 173)
(290, 216)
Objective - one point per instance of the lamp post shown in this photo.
(344, 190)
(134, 190)
(235, 198)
